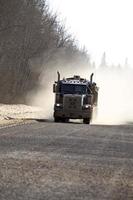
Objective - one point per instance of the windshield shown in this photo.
(73, 89)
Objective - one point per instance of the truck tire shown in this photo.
(86, 120)
(56, 119)
(65, 120)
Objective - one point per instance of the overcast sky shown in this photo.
(100, 25)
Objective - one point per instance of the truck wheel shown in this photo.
(57, 119)
(65, 120)
(86, 120)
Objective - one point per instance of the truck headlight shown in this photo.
(58, 105)
(87, 106)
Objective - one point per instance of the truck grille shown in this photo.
(72, 102)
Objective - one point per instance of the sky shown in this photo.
(100, 25)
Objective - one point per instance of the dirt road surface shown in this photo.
(73, 161)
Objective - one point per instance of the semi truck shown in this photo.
(75, 98)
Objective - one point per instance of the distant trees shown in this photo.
(104, 65)
(28, 31)
(103, 61)
(126, 64)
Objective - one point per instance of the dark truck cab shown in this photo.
(75, 98)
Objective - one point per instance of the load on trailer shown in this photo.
(75, 98)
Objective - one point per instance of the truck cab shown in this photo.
(75, 98)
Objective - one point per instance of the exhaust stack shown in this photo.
(91, 78)
(58, 76)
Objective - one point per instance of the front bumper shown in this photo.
(73, 114)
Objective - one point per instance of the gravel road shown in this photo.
(73, 161)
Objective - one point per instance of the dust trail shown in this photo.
(44, 96)
(115, 93)
(115, 96)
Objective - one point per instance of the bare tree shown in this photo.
(28, 30)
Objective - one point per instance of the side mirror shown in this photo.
(90, 99)
(54, 88)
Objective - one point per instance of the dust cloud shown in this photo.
(44, 96)
(115, 96)
(115, 93)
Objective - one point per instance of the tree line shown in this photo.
(31, 39)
